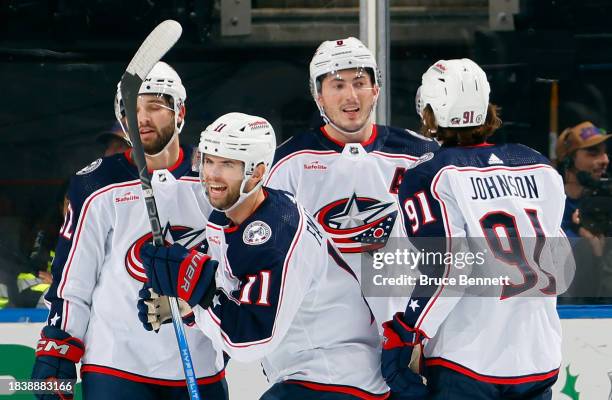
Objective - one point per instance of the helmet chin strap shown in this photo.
(243, 196)
(343, 131)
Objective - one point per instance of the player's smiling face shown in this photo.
(223, 178)
(593, 159)
(347, 96)
(155, 122)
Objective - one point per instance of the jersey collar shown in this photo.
(485, 144)
(338, 145)
(233, 228)
(172, 168)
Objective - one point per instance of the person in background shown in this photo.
(113, 140)
(587, 219)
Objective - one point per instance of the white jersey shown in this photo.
(352, 191)
(503, 204)
(287, 297)
(97, 271)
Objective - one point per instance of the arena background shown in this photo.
(60, 62)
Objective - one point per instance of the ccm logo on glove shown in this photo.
(70, 349)
(51, 345)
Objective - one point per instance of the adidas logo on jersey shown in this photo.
(493, 159)
(315, 165)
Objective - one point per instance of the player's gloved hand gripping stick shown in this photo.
(159, 41)
(176, 272)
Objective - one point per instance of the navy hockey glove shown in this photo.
(154, 310)
(398, 344)
(177, 272)
(57, 354)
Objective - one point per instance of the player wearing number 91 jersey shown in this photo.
(502, 203)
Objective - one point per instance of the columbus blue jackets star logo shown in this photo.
(358, 224)
(183, 235)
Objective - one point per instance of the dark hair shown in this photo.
(466, 136)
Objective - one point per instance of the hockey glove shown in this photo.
(154, 310)
(398, 345)
(57, 354)
(177, 272)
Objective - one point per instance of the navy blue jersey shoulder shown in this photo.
(266, 235)
(116, 169)
(394, 140)
(190, 164)
(388, 139)
(256, 253)
(506, 155)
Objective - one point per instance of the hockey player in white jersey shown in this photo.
(276, 289)
(347, 172)
(505, 202)
(98, 273)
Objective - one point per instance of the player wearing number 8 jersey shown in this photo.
(347, 172)
(504, 201)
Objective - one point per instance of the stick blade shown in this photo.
(159, 41)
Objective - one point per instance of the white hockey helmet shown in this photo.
(336, 55)
(242, 137)
(162, 80)
(457, 91)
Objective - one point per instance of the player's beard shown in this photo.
(161, 140)
(232, 195)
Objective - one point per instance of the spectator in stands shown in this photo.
(34, 275)
(587, 220)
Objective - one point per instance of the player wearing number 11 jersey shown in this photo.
(504, 201)
(275, 288)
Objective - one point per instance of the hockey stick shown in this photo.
(159, 41)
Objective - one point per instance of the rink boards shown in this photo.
(586, 372)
